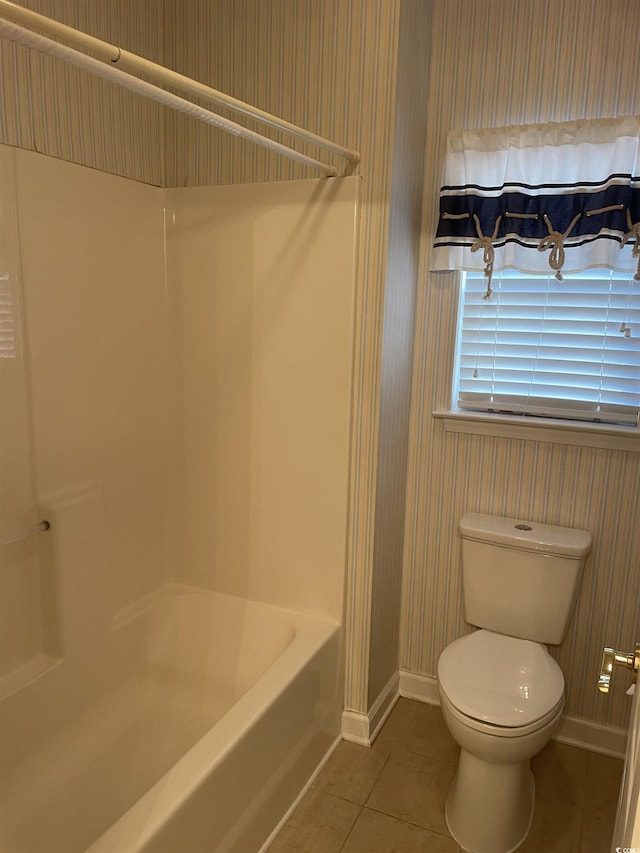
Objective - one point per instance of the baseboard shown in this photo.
(594, 736)
(363, 728)
(573, 730)
(420, 687)
(355, 728)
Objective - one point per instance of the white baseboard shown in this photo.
(594, 736)
(420, 687)
(363, 728)
(355, 727)
(573, 730)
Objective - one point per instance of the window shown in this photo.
(559, 203)
(558, 349)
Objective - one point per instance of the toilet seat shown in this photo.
(500, 731)
(498, 683)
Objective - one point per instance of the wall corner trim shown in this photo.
(576, 731)
(363, 728)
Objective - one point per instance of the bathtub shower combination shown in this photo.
(173, 407)
(214, 710)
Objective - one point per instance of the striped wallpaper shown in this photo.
(55, 109)
(397, 345)
(496, 62)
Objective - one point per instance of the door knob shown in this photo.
(611, 658)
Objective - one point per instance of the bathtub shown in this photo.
(204, 717)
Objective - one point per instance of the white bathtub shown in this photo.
(202, 721)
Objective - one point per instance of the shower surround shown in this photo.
(176, 403)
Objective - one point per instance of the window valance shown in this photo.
(563, 197)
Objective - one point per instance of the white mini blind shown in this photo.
(562, 349)
(7, 320)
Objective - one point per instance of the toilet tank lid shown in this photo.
(527, 535)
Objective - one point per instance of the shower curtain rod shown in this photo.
(13, 16)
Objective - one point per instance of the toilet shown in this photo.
(501, 692)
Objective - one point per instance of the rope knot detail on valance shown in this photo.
(551, 196)
(488, 254)
(633, 234)
(555, 242)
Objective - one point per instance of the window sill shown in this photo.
(608, 436)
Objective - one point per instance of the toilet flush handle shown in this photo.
(611, 658)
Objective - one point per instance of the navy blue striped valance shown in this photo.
(557, 197)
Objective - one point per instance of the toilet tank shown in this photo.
(521, 578)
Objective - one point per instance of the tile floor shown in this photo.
(390, 798)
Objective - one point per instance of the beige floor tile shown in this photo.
(427, 734)
(556, 827)
(320, 824)
(395, 724)
(597, 830)
(379, 833)
(560, 771)
(413, 788)
(352, 771)
(404, 780)
(604, 775)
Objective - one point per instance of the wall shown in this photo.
(215, 403)
(495, 62)
(329, 66)
(21, 629)
(91, 451)
(101, 382)
(397, 344)
(266, 306)
(55, 109)
(94, 339)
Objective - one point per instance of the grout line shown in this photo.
(377, 779)
(409, 822)
(397, 746)
(350, 833)
(581, 830)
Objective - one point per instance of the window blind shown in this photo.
(7, 321)
(561, 349)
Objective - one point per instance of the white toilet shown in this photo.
(501, 692)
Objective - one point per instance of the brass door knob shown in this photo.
(611, 658)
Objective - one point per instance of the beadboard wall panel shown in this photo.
(496, 62)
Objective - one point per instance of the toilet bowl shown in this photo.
(502, 699)
(501, 692)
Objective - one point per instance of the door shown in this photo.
(626, 834)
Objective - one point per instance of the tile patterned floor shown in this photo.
(390, 798)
